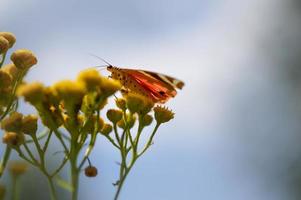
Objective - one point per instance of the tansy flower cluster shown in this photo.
(12, 74)
(72, 112)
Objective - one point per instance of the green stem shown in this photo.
(122, 179)
(59, 136)
(53, 195)
(3, 59)
(15, 188)
(5, 159)
(74, 178)
(11, 99)
(148, 144)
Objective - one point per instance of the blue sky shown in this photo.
(227, 136)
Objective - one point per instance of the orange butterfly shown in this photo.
(158, 87)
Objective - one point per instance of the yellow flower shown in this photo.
(5, 79)
(23, 58)
(146, 120)
(17, 168)
(51, 97)
(91, 171)
(9, 37)
(13, 139)
(121, 103)
(32, 93)
(12, 70)
(29, 124)
(4, 45)
(162, 114)
(13, 122)
(137, 103)
(106, 129)
(91, 79)
(114, 115)
(69, 91)
(109, 86)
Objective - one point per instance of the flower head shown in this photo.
(29, 124)
(13, 122)
(146, 120)
(91, 171)
(69, 91)
(109, 86)
(13, 139)
(5, 79)
(91, 79)
(12, 70)
(23, 58)
(162, 114)
(114, 115)
(121, 103)
(32, 92)
(137, 103)
(4, 45)
(9, 37)
(17, 168)
(106, 129)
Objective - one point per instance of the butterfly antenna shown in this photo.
(103, 60)
(100, 67)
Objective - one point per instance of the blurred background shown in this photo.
(236, 134)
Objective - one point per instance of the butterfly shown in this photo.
(155, 86)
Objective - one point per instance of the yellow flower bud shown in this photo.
(12, 70)
(13, 139)
(32, 93)
(114, 115)
(91, 171)
(2, 192)
(121, 103)
(70, 91)
(17, 168)
(23, 58)
(137, 103)
(146, 120)
(29, 124)
(109, 86)
(5, 79)
(162, 114)
(13, 122)
(131, 119)
(4, 45)
(91, 79)
(106, 129)
(9, 37)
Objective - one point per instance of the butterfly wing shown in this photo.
(176, 83)
(159, 89)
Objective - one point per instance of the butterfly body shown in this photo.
(157, 87)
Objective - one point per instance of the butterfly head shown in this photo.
(110, 68)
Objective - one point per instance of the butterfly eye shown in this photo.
(162, 93)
